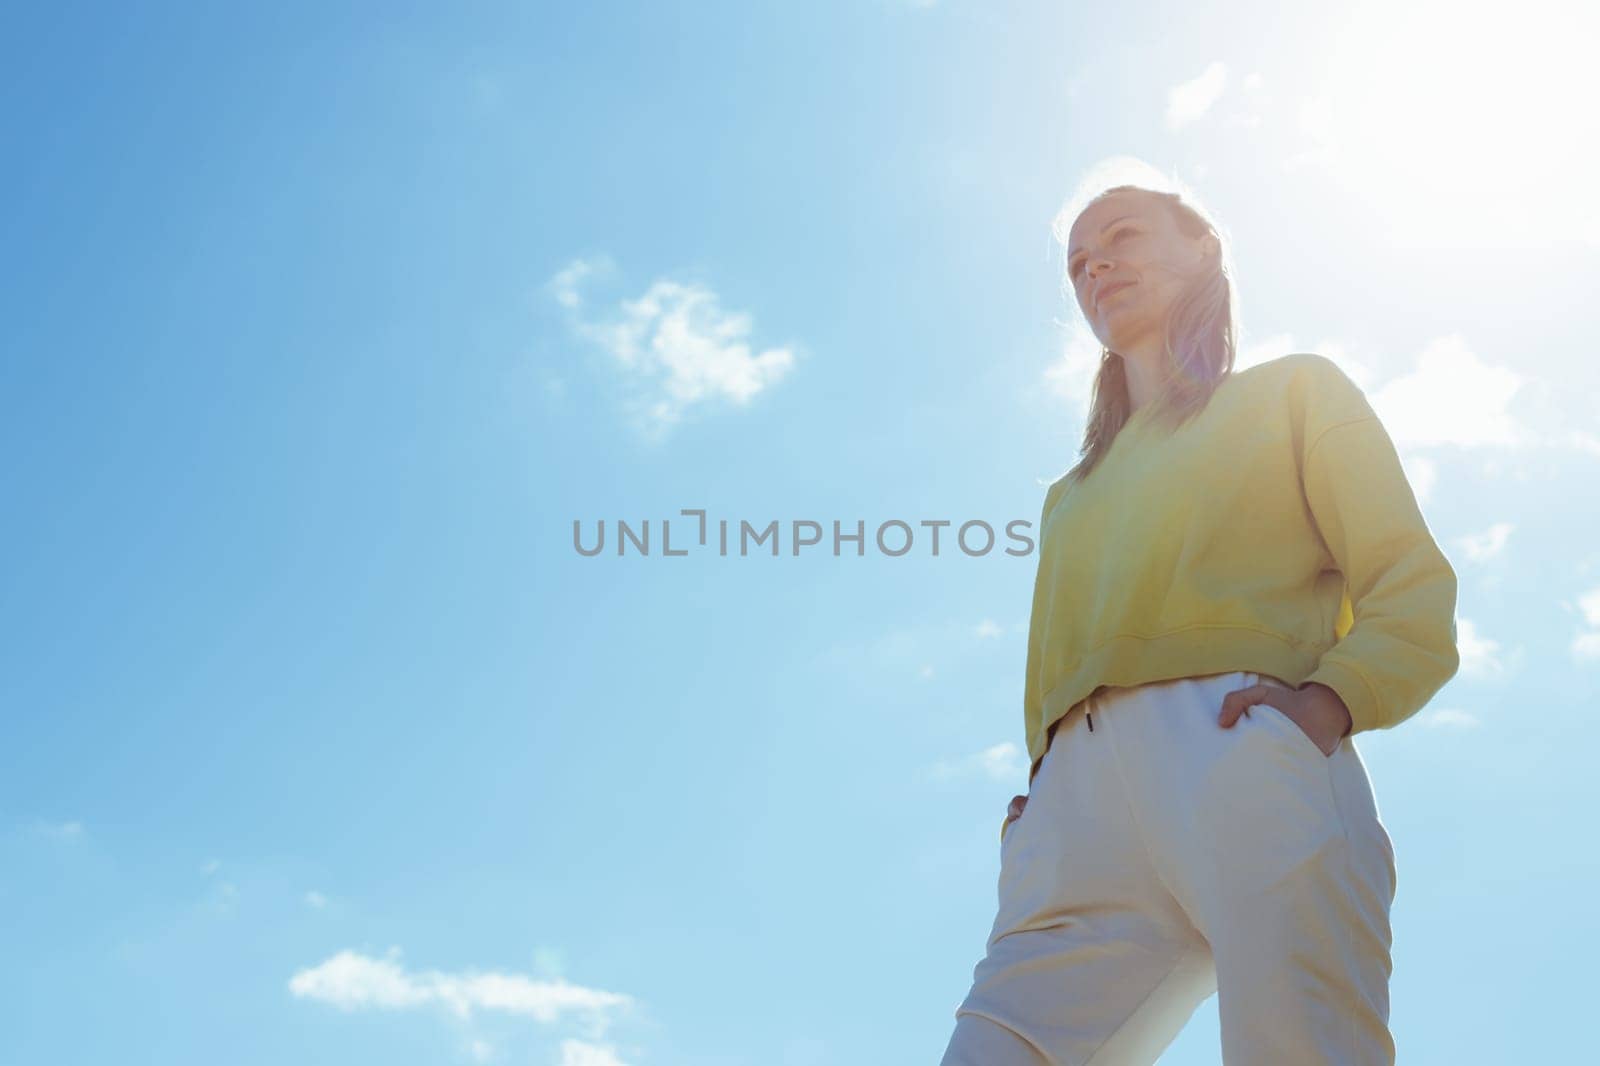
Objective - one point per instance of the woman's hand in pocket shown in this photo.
(1314, 707)
(1014, 811)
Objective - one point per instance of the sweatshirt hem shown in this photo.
(1132, 660)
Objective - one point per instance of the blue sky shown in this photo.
(322, 325)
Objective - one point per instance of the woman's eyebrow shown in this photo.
(1108, 225)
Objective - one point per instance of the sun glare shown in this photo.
(1437, 112)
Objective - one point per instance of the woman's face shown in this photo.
(1127, 262)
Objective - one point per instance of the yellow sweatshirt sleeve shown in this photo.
(1401, 647)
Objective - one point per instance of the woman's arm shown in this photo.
(1401, 647)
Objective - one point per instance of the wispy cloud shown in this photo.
(565, 286)
(59, 830)
(1583, 441)
(1449, 397)
(1001, 762)
(1481, 547)
(1421, 472)
(580, 1053)
(1480, 656)
(1190, 100)
(673, 348)
(350, 981)
(1586, 645)
(1071, 376)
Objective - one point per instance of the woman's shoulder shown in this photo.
(1298, 366)
(1299, 374)
(1317, 391)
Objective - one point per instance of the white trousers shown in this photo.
(1162, 858)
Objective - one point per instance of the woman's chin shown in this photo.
(1121, 334)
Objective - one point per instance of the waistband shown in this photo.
(1109, 695)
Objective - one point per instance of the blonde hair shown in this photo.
(1202, 327)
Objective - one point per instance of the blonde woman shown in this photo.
(1233, 581)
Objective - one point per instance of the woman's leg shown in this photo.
(982, 1041)
(1280, 859)
(1308, 963)
(1090, 961)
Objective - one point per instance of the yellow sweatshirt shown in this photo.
(1274, 532)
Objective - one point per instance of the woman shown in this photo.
(1233, 581)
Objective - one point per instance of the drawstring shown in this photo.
(1089, 716)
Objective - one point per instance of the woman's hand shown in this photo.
(1314, 707)
(1014, 811)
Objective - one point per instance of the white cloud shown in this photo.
(1586, 645)
(1529, 190)
(1581, 441)
(1001, 762)
(1480, 656)
(480, 1050)
(1481, 547)
(987, 628)
(1071, 377)
(316, 900)
(675, 347)
(1421, 472)
(351, 981)
(579, 1053)
(1451, 397)
(565, 284)
(60, 830)
(1190, 100)
(1589, 604)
